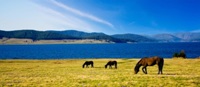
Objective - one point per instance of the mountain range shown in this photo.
(117, 38)
(178, 37)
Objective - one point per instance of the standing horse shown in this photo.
(149, 62)
(88, 63)
(110, 63)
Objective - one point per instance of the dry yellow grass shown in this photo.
(69, 73)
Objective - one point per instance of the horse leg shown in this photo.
(83, 65)
(144, 69)
(86, 66)
(160, 69)
(110, 67)
(92, 66)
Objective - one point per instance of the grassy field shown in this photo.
(69, 73)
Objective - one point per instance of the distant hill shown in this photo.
(188, 36)
(80, 34)
(178, 37)
(166, 38)
(117, 38)
(95, 35)
(59, 35)
(34, 35)
(134, 37)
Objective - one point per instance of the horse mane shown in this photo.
(140, 61)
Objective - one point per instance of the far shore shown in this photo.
(64, 41)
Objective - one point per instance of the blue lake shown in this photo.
(78, 51)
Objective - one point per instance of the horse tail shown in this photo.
(92, 63)
(116, 64)
(161, 61)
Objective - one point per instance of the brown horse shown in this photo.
(110, 63)
(149, 62)
(88, 63)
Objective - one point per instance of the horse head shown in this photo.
(136, 71)
(106, 66)
(137, 68)
(83, 65)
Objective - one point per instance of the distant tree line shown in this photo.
(181, 54)
(59, 35)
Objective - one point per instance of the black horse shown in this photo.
(88, 63)
(110, 63)
(149, 62)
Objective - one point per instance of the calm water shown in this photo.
(64, 51)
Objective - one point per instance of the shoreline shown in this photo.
(10, 41)
(24, 41)
(96, 59)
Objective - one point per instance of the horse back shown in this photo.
(88, 62)
(159, 60)
(111, 63)
(151, 61)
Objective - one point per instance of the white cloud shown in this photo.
(26, 14)
(67, 21)
(21, 15)
(75, 11)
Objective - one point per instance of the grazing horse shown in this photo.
(110, 63)
(149, 62)
(88, 63)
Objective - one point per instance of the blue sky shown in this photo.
(108, 16)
